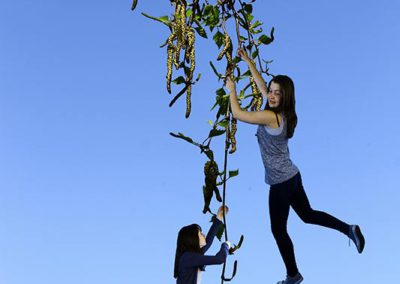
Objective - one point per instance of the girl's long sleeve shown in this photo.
(211, 234)
(191, 259)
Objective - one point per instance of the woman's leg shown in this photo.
(279, 205)
(301, 205)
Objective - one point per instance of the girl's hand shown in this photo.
(229, 84)
(242, 53)
(220, 213)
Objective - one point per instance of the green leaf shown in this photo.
(179, 80)
(223, 107)
(254, 54)
(241, 96)
(248, 8)
(189, 12)
(211, 16)
(164, 19)
(265, 39)
(216, 103)
(219, 38)
(210, 122)
(233, 173)
(249, 18)
(220, 231)
(207, 11)
(215, 70)
(246, 74)
(256, 24)
(181, 136)
(224, 123)
(220, 92)
(216, 132)
(201, 31)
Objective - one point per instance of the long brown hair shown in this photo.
(188, 240)
(287, 102)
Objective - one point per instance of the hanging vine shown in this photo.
(195, 17)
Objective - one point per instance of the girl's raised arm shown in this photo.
(254, 72)
(217, 221)
(263, 117)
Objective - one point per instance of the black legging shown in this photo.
(291, 193)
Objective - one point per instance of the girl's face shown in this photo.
(274, 95)
(202, 239)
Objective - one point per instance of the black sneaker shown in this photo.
(357, 237)
(292, 280)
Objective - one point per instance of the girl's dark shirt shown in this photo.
(190, 262)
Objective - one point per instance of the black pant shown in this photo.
(291, 193)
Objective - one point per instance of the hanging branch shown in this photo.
(188, 20)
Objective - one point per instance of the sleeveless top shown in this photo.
(275, 153)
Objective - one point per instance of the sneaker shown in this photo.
(357, 237)
(292, 280)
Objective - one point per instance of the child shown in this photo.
(191, 246)
(276, 124)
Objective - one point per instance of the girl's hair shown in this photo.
(188, 240)
(287, 102)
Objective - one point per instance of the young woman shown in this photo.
(191, 246)
(276, 124)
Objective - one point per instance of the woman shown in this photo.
(191, 246)
(276, 124)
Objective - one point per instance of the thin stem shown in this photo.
(227, 116)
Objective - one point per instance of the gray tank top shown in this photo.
(275, 153)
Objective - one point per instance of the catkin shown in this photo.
(170, 59)
(227, 50)
(232, 134)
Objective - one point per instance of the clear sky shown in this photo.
(94, 190)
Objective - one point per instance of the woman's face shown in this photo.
(274, 95)
(202, 239)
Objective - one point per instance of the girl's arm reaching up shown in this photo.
(254, 72)
(264, 117)
(214, 228)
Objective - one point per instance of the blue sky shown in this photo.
(94, 190)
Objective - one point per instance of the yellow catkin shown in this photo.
(170, 59)
(180, 27)
(232, 134)
(227, 48)
(188, 100)
(259, 103)
(191, 51)
(256, 102)
(191, 48)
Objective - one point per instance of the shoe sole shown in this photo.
(360, 237)
(297, 282)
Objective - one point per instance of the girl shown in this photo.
(276, 124)
(191, 246)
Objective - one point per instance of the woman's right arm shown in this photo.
(254, 72)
